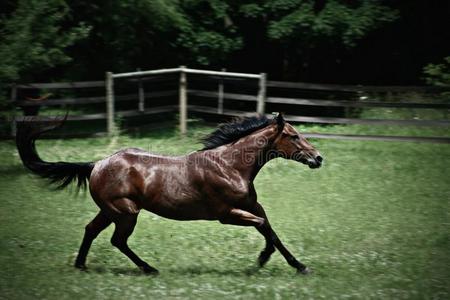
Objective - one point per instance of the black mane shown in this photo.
(234, 130)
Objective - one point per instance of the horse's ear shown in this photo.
(280, 120)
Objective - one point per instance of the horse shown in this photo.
(214, 183)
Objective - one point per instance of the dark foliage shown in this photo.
(342, 42)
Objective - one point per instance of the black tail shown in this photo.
(59, 173)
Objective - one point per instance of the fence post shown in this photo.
(220, 95)
(260, 109)
(110, 126)
(141, 94)
(183, 100)
(13, 114)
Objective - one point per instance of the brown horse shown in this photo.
(215, 183)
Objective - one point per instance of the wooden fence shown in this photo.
(183, 91)
(325, 103)
(261, 96)
(108, 114)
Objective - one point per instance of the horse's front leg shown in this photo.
(273, 240)
(257, 219)
(236, 216)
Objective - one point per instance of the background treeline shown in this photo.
(336, 41)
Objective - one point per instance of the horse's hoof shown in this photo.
(262, 260)
(149, 270)
(264, 256)
(81, 267)
(305, 271)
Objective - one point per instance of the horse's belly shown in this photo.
(172, 193)
(179, 210)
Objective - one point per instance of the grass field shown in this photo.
(373, 223)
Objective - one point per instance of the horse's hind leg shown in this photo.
(124, 228)
(92, 230)
(269, 249)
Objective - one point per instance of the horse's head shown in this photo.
(290, 144)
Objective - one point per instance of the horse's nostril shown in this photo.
(319, 158)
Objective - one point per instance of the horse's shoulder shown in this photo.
(223, 177)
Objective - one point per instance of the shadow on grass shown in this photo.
(193, 271)
(186, 271)
(13, 170)
(128, 271)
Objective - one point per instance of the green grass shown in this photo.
(373, 223)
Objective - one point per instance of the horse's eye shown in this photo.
(295, 137)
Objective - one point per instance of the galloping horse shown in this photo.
(215, 183)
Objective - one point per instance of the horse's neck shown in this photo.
(248, 155)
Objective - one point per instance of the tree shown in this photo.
(208, 35)
(34, 38)
(125, 35)
(438, 74)
(301, 28)
(284, 37)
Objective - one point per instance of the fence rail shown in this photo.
(187, 71)
(354, 137)
(320, 102)
(92, 100)
(102, 116)
(326, 120)
(62, 85)
(354, 88)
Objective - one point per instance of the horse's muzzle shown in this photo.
(315, 162)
